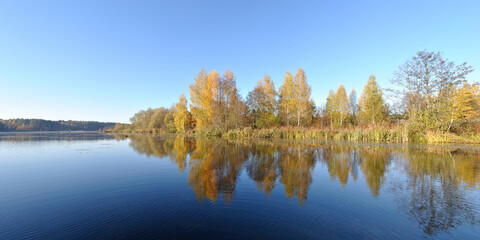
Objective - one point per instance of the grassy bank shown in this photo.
(354, 135)
(395, 134)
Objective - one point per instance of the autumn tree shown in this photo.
(425, 86)
(156, 122)
(261, 102)
(203, 94)
(199, 96)
(141, 119)
(286, 101)
(170, 120)
(303, 104)
(467, 102)
(216, 102)
(342, 106)
(371, 107)
(232, 109)
(213, 95)
(181, 115)
(330, 109)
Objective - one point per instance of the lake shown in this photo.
(96, 186)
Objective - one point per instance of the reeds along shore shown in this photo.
(378, 134)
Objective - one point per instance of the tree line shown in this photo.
(428, 93)
(20, 124)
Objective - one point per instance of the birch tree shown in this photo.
(303, 104)
(342, 105)
(286, 101)
(371, 107)
(330, 109)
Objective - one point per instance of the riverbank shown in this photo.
(397, 134)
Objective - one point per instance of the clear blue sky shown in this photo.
(105, 60)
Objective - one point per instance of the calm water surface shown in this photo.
(95, 186)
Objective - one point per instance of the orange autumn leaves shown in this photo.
(216, 103)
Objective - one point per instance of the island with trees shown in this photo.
(430, 100)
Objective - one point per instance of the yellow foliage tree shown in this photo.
(371, 108)
(262, 102)
(198, 98)
(216, 102)
(303, 104)
(330, 110)
(286, 102)
(203, 94)
(212, 93)
(181, 115)
(342, 105)
(467, 101)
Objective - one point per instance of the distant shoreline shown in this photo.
(42, 125)
(75, 131)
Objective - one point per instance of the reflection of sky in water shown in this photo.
(101, 187)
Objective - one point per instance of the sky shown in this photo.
(105, 60)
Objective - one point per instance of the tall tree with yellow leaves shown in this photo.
(466, 102)
(216, 102)
(199, 95)
(303, 103)
(371, 107)
(342, 105)
(203, 94)
(181, 115)
(286, 101)
(330, 109)
(213, 94)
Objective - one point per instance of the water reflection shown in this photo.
(214, 169)
(431, 183)
(296, 165)
(437, 198)
(262, 168)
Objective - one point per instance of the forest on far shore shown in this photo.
(430, 99)
(20, 124)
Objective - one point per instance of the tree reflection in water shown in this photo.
(436, 184)
(432, 192)
(296, 165)
(262, 167)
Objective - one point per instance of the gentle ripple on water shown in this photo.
(93, 186)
